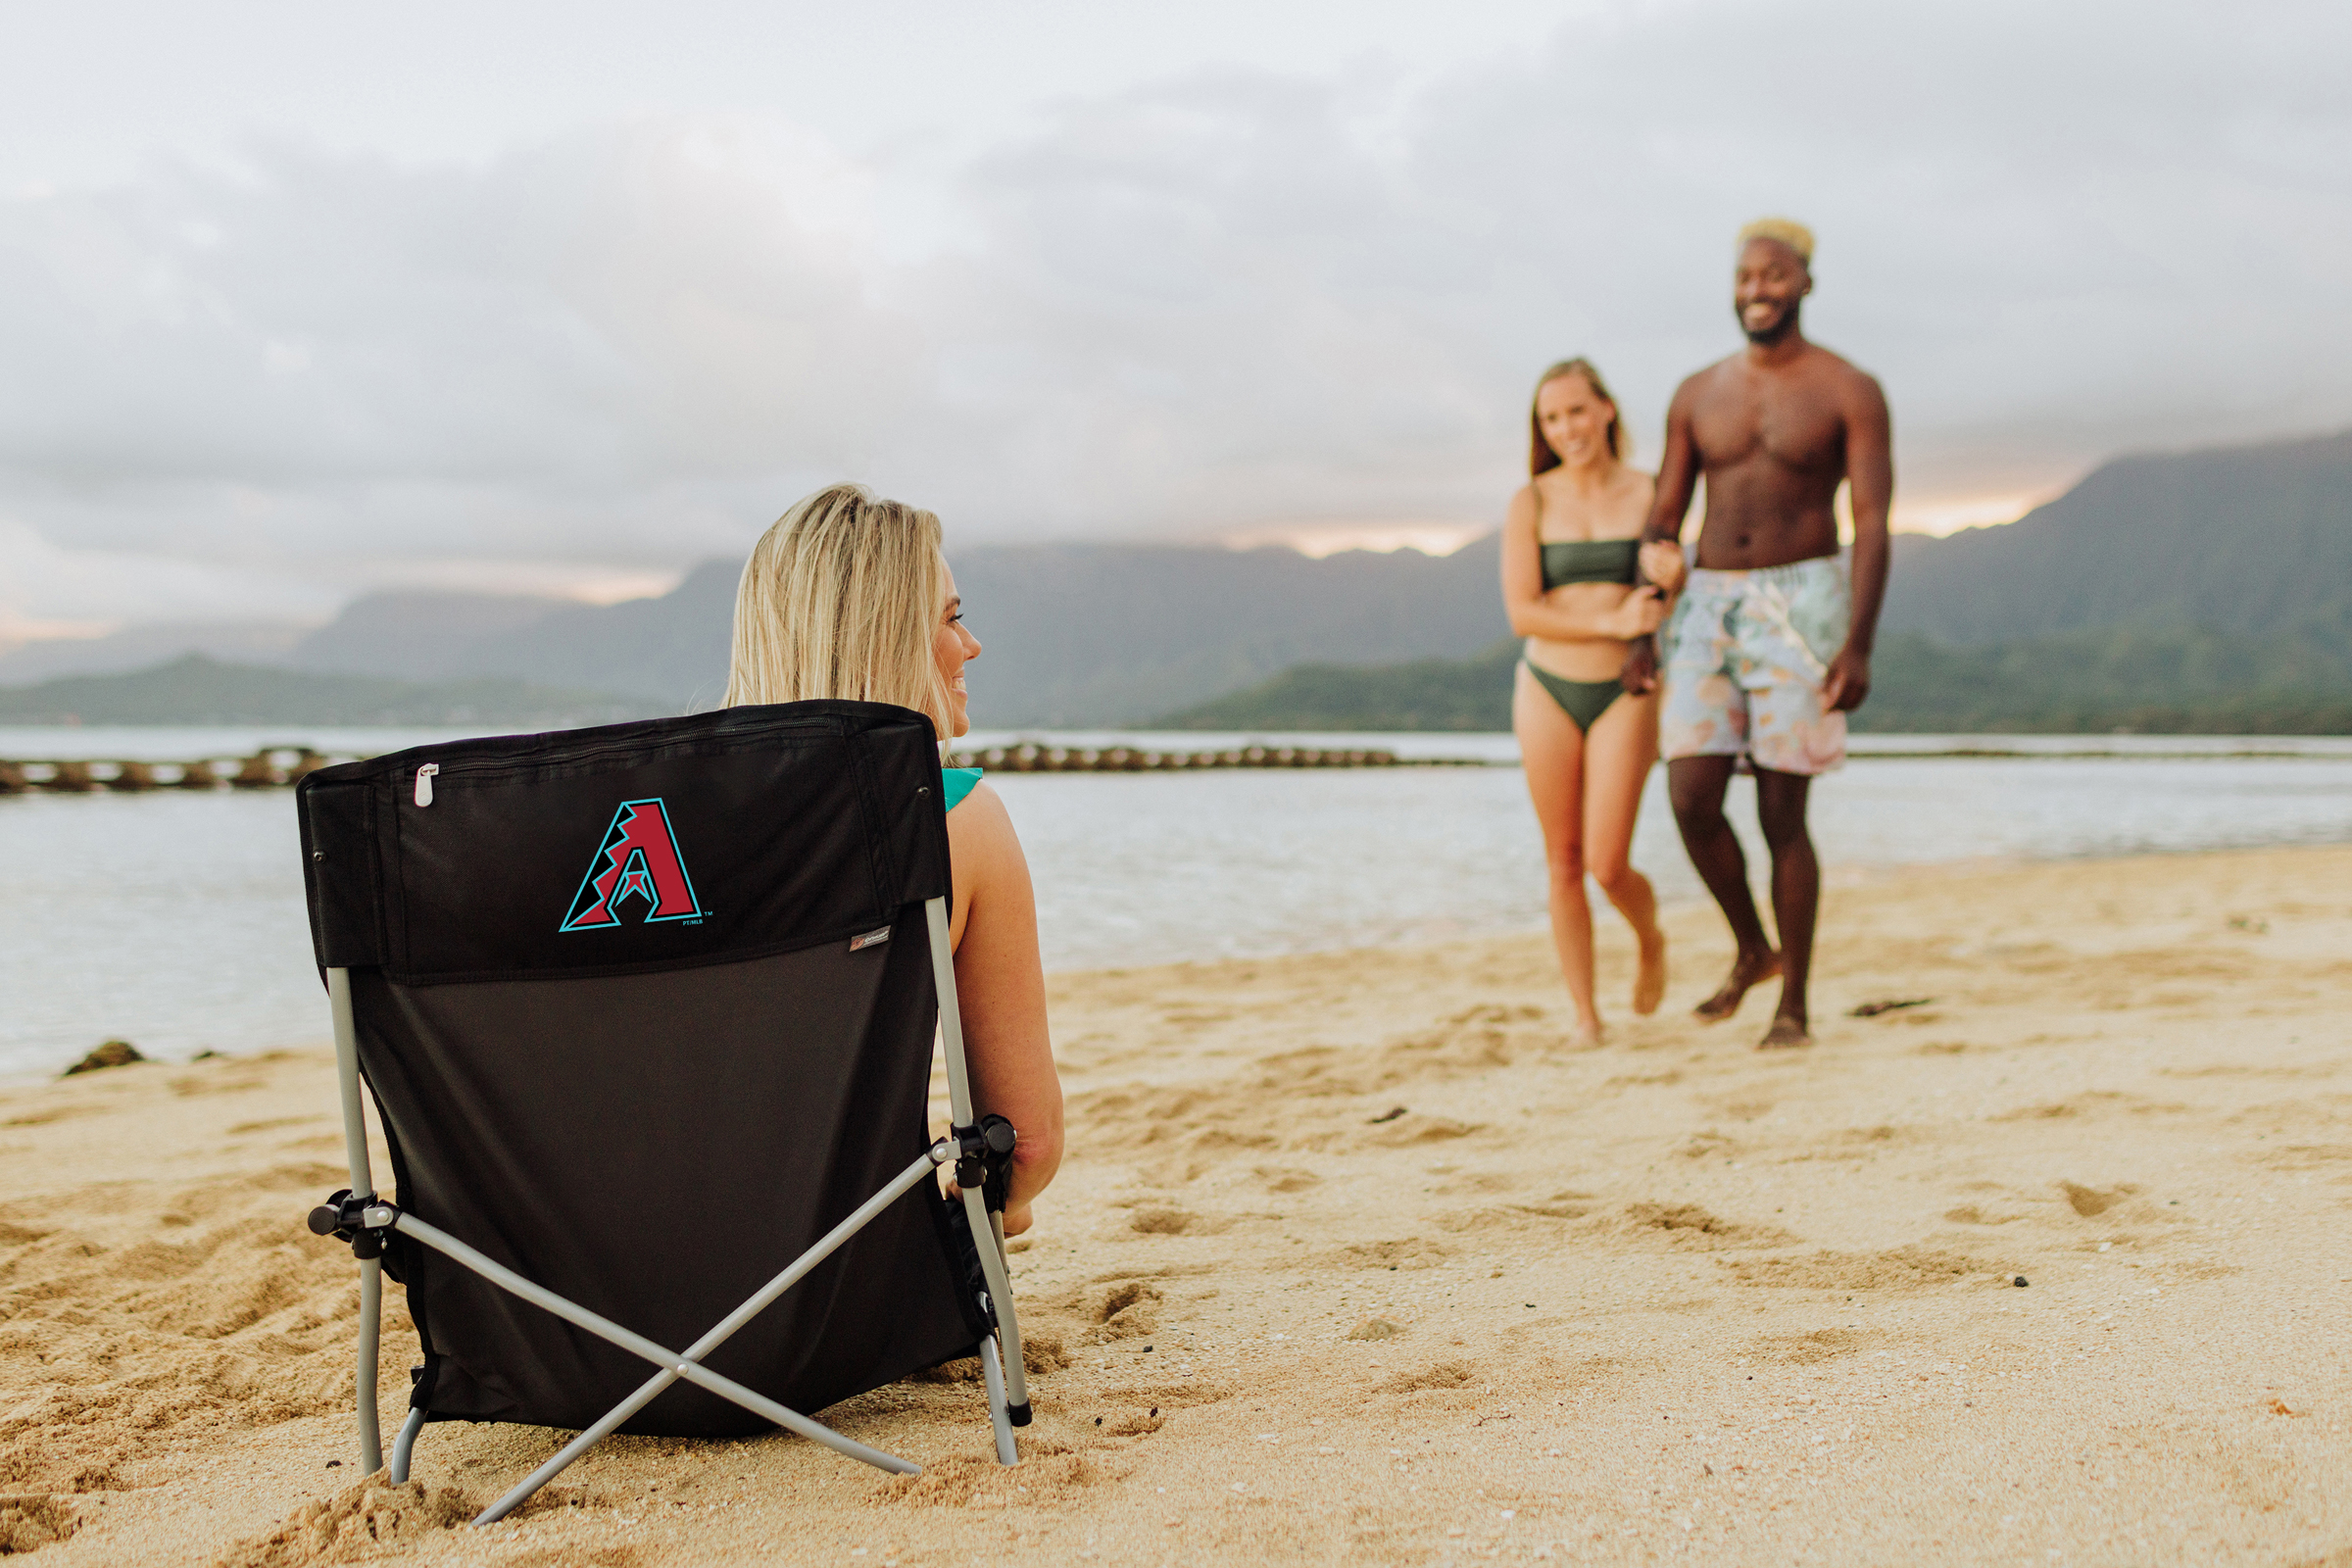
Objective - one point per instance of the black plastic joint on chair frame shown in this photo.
(361, 1221)
(984, 1160)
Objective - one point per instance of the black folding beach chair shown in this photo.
(648, 1012)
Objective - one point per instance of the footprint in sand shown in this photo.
(1689, 1227)
(2091, 1202)
(28, 1524)
(1810, 1350)
(1412, 1252)
(1900, 1268)
(1443, 1375)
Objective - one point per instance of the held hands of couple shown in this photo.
(1639, 613)
(1662, 562)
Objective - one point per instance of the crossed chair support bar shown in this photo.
(978, 1148)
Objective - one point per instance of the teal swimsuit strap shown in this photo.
(959, 782)
(1583, 701)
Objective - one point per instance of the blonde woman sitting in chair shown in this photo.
(849, 597)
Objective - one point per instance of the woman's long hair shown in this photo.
(839, 599)
(1541, 459)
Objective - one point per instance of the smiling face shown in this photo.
(952, 646)
(1575, 420)
(1767, 288)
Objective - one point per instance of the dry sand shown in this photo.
(1351, 1262)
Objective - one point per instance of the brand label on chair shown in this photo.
(638, 860)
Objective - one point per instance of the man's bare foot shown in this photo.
(1747, 971)
(1786, 1034)
(1649, 985)
(1585, 1037)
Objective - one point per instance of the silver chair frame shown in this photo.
(1000, 1364)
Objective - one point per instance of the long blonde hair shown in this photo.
(838, 600)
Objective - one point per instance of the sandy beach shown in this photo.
(1349, 1260)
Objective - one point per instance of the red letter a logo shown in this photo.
(639, 858)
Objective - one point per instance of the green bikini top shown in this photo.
(1590, 561)
(959, 782)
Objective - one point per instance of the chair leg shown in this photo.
(988, 1240)
(363, 1184)
(405, 1445)
(992, 1368)
(1008, 1324)
(371, 1308)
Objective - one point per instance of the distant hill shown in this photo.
(1073, 634)
(2235, 554)
(1109, 634)
(418, 634)
(1427, 693)
(2251, 541)
(2147, 681)
(196, 690)
(144, 647)
(672, 650)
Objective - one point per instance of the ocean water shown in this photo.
(176, 920)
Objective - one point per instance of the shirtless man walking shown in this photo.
(1768, 647)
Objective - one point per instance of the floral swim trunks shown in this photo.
(1746, 655)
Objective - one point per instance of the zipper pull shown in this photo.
(424, 783)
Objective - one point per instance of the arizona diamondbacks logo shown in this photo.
(638, 859)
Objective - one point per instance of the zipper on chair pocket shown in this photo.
(424, 783)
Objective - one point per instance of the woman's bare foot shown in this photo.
(1786, 1034)
(1748, 972)
(1586, 1036)
(1649, 985)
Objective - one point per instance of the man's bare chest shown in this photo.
(1789, 427)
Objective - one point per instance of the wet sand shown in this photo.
(1350, 1260)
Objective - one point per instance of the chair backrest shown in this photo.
(646, 1009)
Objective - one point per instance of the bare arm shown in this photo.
(1678, 481)
(1678, 473)
(1533, 615)
(1870, 469)
(1000, 984)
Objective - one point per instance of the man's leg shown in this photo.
(1795, 896)
(1696, 785)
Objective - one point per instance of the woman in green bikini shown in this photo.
(1569, 548)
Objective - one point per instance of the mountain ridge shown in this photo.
(2248, 543)
(2156, 539)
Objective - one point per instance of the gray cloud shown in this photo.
(1226, 298)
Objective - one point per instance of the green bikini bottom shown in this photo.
(1583, 701)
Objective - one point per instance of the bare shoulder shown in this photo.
(982, 811)
(1700, 382)
(1527, 503)
(1850, 378)
(984, 847)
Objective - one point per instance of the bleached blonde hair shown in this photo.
(840, 598)
(1788, 230)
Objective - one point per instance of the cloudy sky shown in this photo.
(299, 299)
